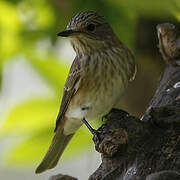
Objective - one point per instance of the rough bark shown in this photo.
(146, 149)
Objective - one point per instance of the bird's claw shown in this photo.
(96, 139)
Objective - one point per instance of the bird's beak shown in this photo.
(67, 33)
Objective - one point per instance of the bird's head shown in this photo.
(88, 30)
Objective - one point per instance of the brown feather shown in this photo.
(58, 145)
(70, 88)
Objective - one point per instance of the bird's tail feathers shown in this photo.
(55, 151)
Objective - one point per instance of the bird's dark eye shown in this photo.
(91, 27)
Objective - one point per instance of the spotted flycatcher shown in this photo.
(99, 74)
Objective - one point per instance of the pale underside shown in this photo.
(92, 105)
(92, 95)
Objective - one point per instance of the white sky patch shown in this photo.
(20, 81)
(43, 47)
(64, 50)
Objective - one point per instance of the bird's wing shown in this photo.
(133, 73)
(133, 67)
(70, 88)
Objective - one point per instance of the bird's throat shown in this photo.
(83, 45)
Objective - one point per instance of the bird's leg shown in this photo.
(93, 131)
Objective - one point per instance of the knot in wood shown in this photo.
(112, 142)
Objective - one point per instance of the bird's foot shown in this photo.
(97, 138)
(94, 132)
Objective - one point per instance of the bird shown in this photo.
(99, 75)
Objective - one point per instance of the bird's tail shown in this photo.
(55, 151)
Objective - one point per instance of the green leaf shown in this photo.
(34, 121)
(51, 70)
(10, 26)
(30, 117)
(32, 150)
(176, 10)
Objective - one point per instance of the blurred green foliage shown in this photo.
(23, 24)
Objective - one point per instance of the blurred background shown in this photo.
(34, 63)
